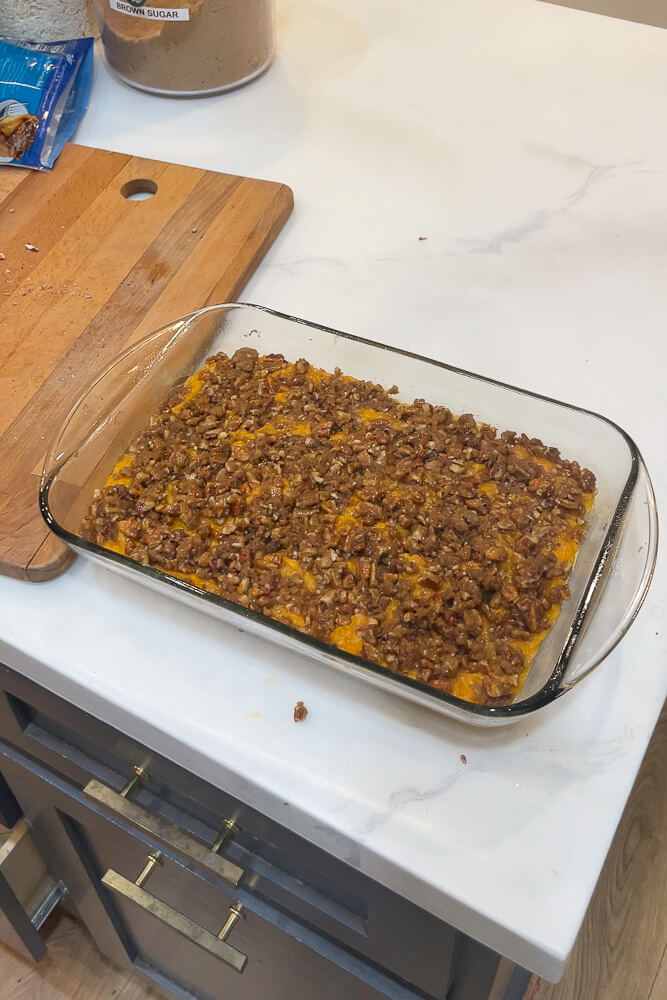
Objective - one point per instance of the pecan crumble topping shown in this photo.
(419, 540)
(300, 712)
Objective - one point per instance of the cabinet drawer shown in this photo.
(283, 869)
(165, 917)
(168, 924)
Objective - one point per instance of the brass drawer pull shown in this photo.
(170, 834)
(135, 893)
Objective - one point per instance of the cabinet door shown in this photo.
(28, 892)
(168, 927)
(10, 812)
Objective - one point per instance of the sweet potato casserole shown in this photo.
(419, 540)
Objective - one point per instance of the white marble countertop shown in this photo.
(526, 141)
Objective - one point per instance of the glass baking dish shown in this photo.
(614, 566)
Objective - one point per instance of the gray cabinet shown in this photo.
(199, 892)
(266, 955)
(295, 877)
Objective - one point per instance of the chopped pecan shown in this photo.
(423, 542)
(300, 712)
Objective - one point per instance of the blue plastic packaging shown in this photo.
(44, 88)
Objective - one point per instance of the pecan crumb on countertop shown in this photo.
(300, 711)
(425, 542)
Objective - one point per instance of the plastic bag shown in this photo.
(44, 88)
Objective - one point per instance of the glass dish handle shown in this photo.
(628, 576)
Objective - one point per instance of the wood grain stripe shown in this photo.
(57, 273)
(41, 212)
(659, 988)
(74, 969)
(108, 331)
(258, 240)
(50, 559)
(209, 276)
(18, 509)
(108, 270)
(74, 285)
(10, 178)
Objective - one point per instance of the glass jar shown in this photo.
(45, 20)
(187, 48)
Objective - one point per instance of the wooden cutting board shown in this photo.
(87, 270)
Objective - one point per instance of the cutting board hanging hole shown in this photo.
(139, 189)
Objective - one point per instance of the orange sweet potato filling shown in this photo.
(479, 648)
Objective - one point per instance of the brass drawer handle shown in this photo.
(135, 893)
(170, 834)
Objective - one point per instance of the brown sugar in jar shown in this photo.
(187, 47)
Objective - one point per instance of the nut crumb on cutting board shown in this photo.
(300, 712)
